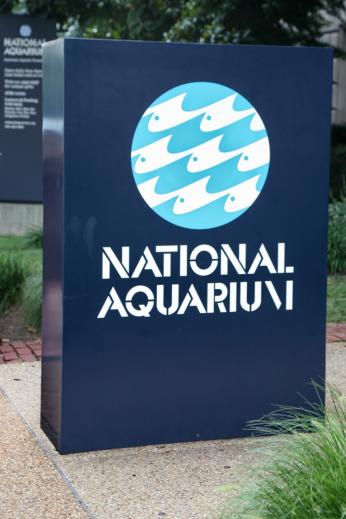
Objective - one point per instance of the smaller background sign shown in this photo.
(21, 41)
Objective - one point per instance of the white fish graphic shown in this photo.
(156, 155)
(208, 155)
(256, 124)
(222, 113)
(195, 195)
(242, 195)
(169, 114)
(204, 156)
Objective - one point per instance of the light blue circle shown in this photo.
(200, 155)
(25, 31)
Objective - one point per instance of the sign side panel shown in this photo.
(53, 173)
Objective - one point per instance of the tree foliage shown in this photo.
(281, 22)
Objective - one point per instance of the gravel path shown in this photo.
(31, 487)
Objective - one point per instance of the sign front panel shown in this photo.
(21, 40)
(189, 185)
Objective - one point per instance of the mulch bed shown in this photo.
(18, 342)
(13, 327)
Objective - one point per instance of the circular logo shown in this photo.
(200, 155)
(25, 31)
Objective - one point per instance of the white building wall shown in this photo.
(19, 218)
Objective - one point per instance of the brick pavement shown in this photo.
(28, 351)
(19, 351)
(336, 332)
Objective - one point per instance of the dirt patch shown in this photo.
(13, 326)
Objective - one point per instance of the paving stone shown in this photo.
(36, 350)
(27, 357)
(5, 348)
(18, 344)
(22, 349)
(11, 355)
(33, 343)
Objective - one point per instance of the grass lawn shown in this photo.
(11, 243)
(336, 300)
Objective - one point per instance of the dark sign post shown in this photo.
(186, 191)
(21, 40)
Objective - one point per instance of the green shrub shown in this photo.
(338, 173)
(33, 260)
(32, 299)
(34, 238)
(304, 475)
(21, 273)
(12, 275)
(11, 243)
(338, 163)
(337, 237)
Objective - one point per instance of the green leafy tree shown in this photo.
(6, 6)
(126, 19)
(278, 22)
(281, 22)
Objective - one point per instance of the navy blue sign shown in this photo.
(21, 40)
(186, 191)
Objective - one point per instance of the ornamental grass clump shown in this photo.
(12, 275)
(304, 474)
(32, 299)
(34, 238)
(337, 237)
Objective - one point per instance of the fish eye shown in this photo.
(246, 157)
(208, 117)
(195, 159)
(142, 159)
(232, 198)
(157, 117)
(181, 200)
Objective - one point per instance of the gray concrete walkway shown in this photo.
(181, 481)
(30, 485)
